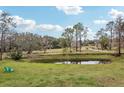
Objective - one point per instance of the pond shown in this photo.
(83, 62)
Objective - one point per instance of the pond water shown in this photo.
(83, 62)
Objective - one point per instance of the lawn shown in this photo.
(27, 73)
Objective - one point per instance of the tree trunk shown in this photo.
(10, 44)
(70, 48)
(29, 50)
(111, 41)
(119, 44)
(80, 42)
(76, 41)
(1, 52)
(44, 49)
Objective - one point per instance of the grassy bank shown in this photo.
(34, 74)
(71, 57)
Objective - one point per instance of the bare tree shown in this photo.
(6, 25)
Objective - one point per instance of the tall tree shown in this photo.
(119, 27)
(110, 27)
(81, 32)
(102, 38)
(6, 25)
(68, 34)
(85, 31)
(78, 34)
(104, 41)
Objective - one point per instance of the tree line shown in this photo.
(112, 36)
(73, 37)
(11, 40)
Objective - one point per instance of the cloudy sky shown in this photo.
(50, 20)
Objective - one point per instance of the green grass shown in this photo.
(61, 75)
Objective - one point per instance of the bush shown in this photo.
(16, 55)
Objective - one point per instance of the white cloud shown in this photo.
(50, 27)
(70, 10)
(100, 21)
(29, 25)
(24, 25)
(115, 13)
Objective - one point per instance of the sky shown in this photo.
(52, 20)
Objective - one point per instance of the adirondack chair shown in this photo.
(8, 69)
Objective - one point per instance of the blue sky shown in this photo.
(50, 20)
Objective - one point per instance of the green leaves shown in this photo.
(16, 55)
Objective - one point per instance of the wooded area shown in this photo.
(109, 38)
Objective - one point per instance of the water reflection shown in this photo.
(83, 62)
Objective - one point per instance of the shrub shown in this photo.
(16, 55)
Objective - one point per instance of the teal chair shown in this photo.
(8, 69)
